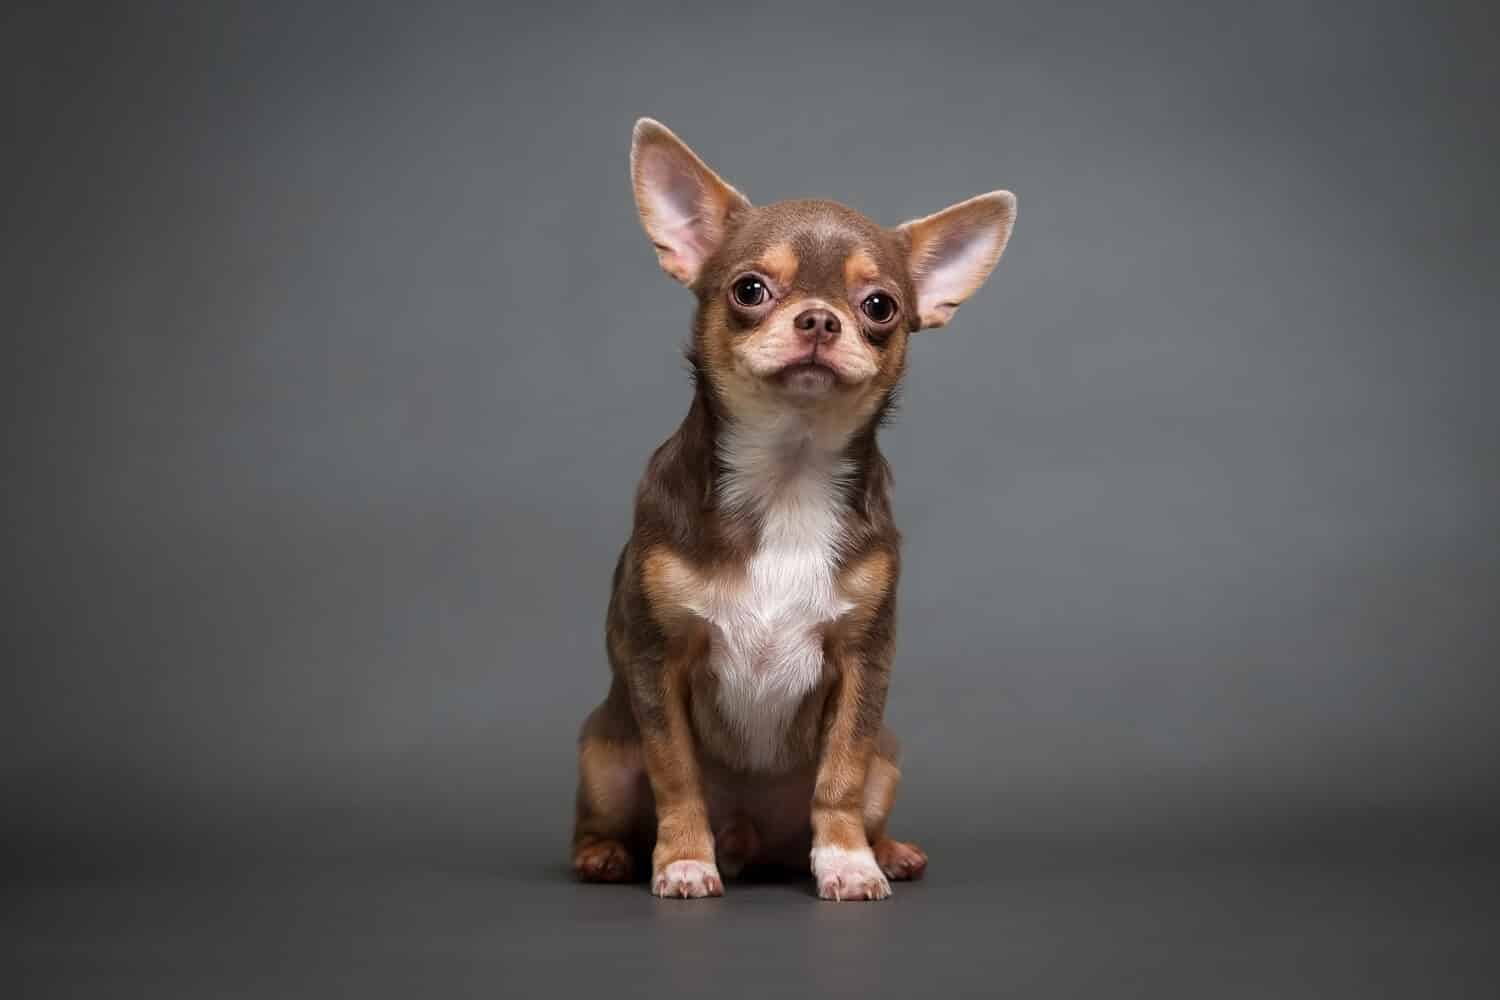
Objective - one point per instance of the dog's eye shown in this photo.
(750, 291)
(880, 307)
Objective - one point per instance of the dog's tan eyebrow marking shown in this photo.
(859, 269)
(780, 263)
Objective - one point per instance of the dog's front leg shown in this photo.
(682, 864)
(842, 862)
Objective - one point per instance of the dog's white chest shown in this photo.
(767, 650)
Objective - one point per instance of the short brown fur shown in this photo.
(662, 771)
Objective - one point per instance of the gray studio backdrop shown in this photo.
(335, 349)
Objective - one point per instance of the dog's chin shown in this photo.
(807, 381)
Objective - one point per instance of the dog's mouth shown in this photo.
(810, 362)
(808, 376)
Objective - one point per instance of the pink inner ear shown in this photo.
(955, 267)
(674, 199)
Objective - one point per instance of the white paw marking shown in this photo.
(847, 875)
(687, 880)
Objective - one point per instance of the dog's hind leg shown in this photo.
(615, 809)
(900, 861)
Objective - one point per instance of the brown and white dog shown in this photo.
(751, 626)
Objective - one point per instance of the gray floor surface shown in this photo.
(991, 919)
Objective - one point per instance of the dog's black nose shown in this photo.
(819, 325)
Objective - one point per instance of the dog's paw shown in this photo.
(901, 862)
(848, 875)
(687, 880)
(603, 861)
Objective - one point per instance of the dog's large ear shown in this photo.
(953, 251)
(684, 205)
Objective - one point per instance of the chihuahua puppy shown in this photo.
(751, 625)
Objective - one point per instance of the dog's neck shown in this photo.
(715, 485)
(788, 459)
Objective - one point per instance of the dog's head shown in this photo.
(805, 305)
